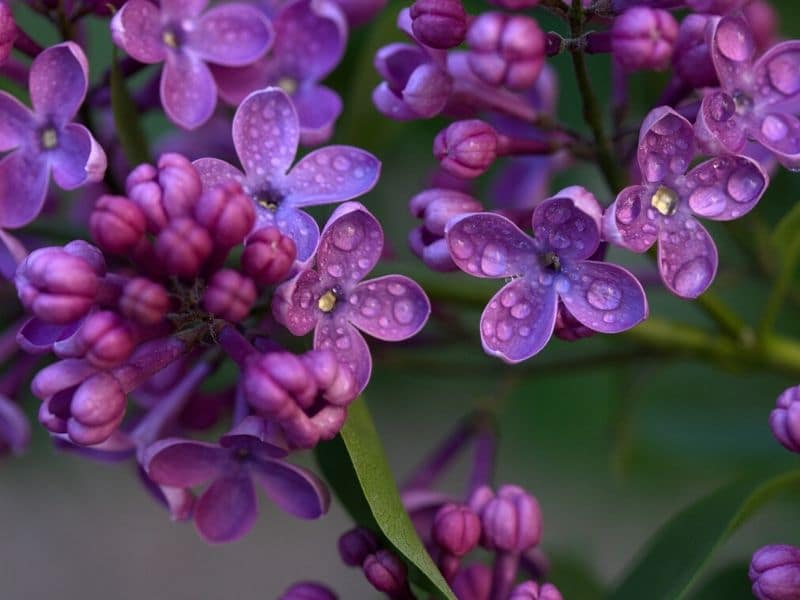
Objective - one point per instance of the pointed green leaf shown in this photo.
(355, 466)
(126, 117)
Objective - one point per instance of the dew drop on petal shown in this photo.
(733, 41)
(693, 277)
(774, 129)
(504, 331)
(604, 295)
(784, 73)
(341, 163)
(745, 183)
(343, 343)
(493, 260)
(396, 289)
(521, 310)
(335, 270)
(462, 248)
(348, 236)
(403, 311)
(707, 201)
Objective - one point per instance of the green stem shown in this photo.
(780, 288)
(726, 319)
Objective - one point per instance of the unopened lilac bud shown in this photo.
(530, 590)
(775, 573)
(117, 224)
(144, 301)
(268, 256)
(335, 380)
(91, 254)
(386, 572)
(229, 295)
(355, 545)
(427, 91)
(473, 583)
(511, 520)
(98, 400)
(643, 38)
(784, 420)
(507, 50)
(466, 148)
(89, 435)
(437, 206)
(275, 383)
(108, 340)
(308, 590)
(227, 213)
(763, 21)
(8, 31)
(456, 529)
(692, 57)
(439, 23)
(183, 246)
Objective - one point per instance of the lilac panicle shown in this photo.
(784, 420)
(553, 264)
(663, 208)
(643, 38)
(44, 141)
(266, 134)
(775, 572)
(332, 299)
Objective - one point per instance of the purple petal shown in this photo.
(687, 256)
(780, 134)
(15, 431)
(567, 230)
(519, 320)
(296, 224)
(778, 74)
(391, 105)
(12, 252)
(58, 80)
(490, 245)
(23, 186)
(665, 144)
(235, 83)
(61, 376)
(604, 297)
(136, 28)
(523, 183)
(227, 510)
(182, 9)
(317, 107)
(181, 463)
(231, 34)
(396, 62)
(16, 124)
(732, 50)
(719, 129)
(296, 490)
(629, 222)
(725, 188)
(266, 133)
(391, 308)
(214, 171)
(256, 435)
(78, 158)
(332, 174)
(335, 333)
(350, 245)
(38, 337)
(295, 302)
(188, 91)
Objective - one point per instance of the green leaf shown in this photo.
(574, 579)
(786, 229)
(729, 583)
(674, 558)
(355, 466)
(126, 117)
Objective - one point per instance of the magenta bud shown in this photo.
(511, 519)
(107, 338)
(386, 572)
(473, 582)
(8, 31)
(437, 206)
(691, 58)
(91, 254)
(439, 23)
(229, 295)
(507, 50)
(466, 148)
(775, 573)
(117, 224)
(308, 590)
(784, 420)
(275, 383)
(227, 213)
(89, 435)
(268, 256)
(530, 590)
(335, 380)
(182, 247)
(644, 38)
(456, 529)
(763, 20)
(98, 400)
(144, 301)
(355, 545)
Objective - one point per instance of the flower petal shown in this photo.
(227, 510)
(725, 188)
(78, 158)
(231, 34)
(296, 490)
(294, 223)
(335, 333)
(38, 337)
(181, 9)
(390, 308)
(778, 74)
(23, 186)
(332, 174)
(16, 124)
(732, 50)
(396, 62)
(719, 129)
(350, 245)
(188, 91)
(629, 221)
(687, 256)
(665, 144)
(490, 245)
(136, 28)
(58, 80)
(214, 171)
(780, 134)
(318, 107)
(519, 320)
(391, 105)
(183, 463)
(566, 229)
(604, 297)
(294, 304)
(15, 431)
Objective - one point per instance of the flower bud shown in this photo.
(439, 23)
(775, 573)
(763, 21)
(276, 383)
(511, 520)
(386, 572)
(466, 148)
(784, 420)
(437, 206)
(229, 295)
(268, 256)
(473, 583)
(98, 400)
(643, 38)
(308, 590)
(507, 50)
(106, 338)
(8, 31)
(182, 247)
(356, 544)
(117, 224)
(335, 380)
(144, 301)
(227, 213)
(692, 57)
(456, 529)
(530, 590)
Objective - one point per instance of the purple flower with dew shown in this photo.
(332, 299)
(552, 265)
(44, 140)
(756, 99)
(185, 38)
(775, 572)
(310, 39)
(784, 420)
(227, 509)
(664, 206)
(266, 133)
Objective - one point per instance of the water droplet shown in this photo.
(363, 263)
(721, 107)
(383, 322)
(628, 209)
(559, 241)
(784, 72)
(557, 213)
(343, 343)
(609, 317)
(403, 312)
(493, 260)
(707, 201)
(774, 128)
(461, 247)
(504, 331)
(745, 184)
(370, 308)
(693, 277)
(604, 295)
(734, 41)
(524, 331)
(509, 297)
(341, 163)
(348, 236)
(335, 270)
(521, 310)
(396, 289)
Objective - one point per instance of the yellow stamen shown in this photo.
(665, 201)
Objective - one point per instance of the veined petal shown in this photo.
(566, 229)
(687, 256)
(332, 174)
(780, 134)
(629, 221)
(295, 489)
(718, 128)
(214, 171)
(350, 245)
(58, 81)
(318, 107)
(733, 50)
(777, 74)
(233, 34)
(188, 91)
(391, 308)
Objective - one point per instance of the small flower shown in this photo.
(552, 265)
(331, 298)
(784, 420)
(775, 573)
(266, 134)
(664, 206)
(44, 140)
(643, 38)
(511, 520)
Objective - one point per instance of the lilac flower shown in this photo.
(663, 207)
(331, 298)
(44, 140)
(266, 134)
(178, 34)
(552, 265)
(310, 38)
(227, 509)
(784, 420)
(755, 97)
(775, 572)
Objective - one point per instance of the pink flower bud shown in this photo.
(456, 529)
(466, 148)
(643, 38)
(144, 301)
(98, 400)
(268, 256)
(229, 295)
(355, 545)
(692, 56)
(530, 590)
(108, 340)
(473, 583)
(775, 572)
(117, 224)
(511, 519)
(183, 246)
(227, 213)
(439, 23)
(386, 572)
(784, 420)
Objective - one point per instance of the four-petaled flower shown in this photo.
(266, 134)
(331, 298)
(44, 139)
(552, 265)
(664, 206)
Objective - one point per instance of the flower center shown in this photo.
(171, 36)
(551, 262)
(327, 301)
(288, 85)
(665, 201)
(743, 102)
(49, 138)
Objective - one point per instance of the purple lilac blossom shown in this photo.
(44, 140)
(663, 207)
(266, 134)
(552, 265)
